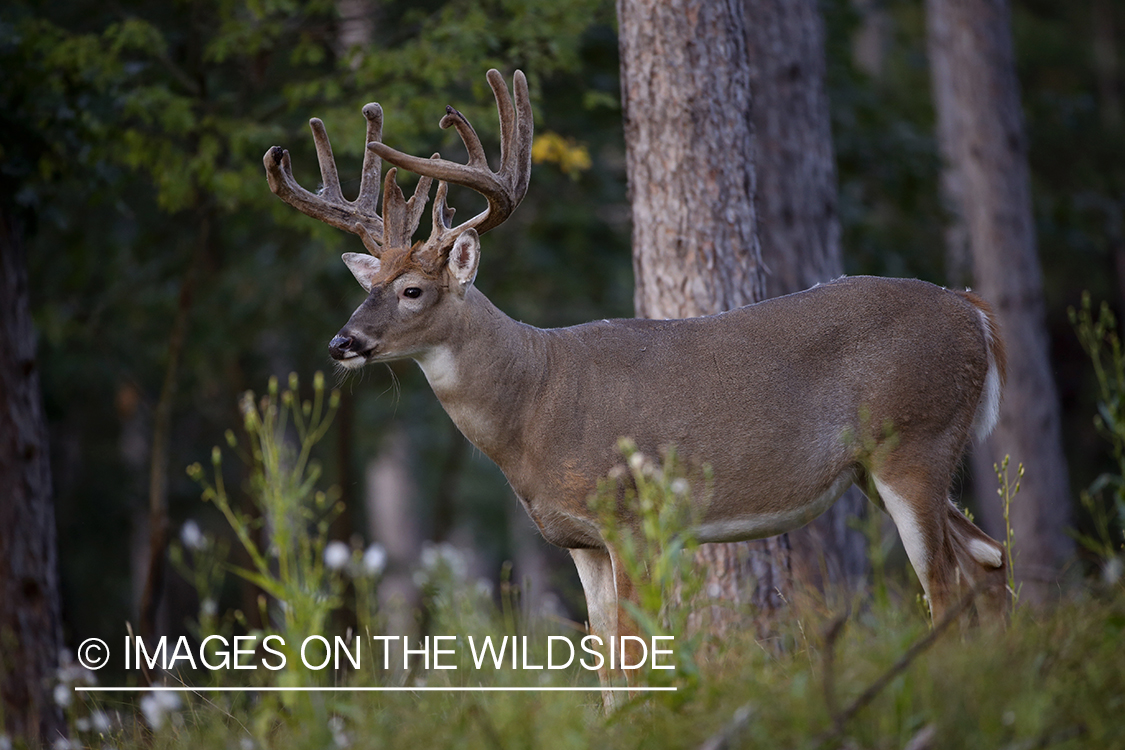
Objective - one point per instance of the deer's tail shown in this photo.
(988, 409)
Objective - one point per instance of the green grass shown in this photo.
(1055, 679)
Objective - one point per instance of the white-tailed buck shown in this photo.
(878, 382)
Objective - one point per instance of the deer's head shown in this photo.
(414, 289)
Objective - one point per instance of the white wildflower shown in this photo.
(208, 607)
(153, 713)
(1112, 571)
(454, 559)
(192, 536)
(154, 706)
(336, 726)
(375, 559)
(63, 695)
(336, 555)
(168, 700)
(440, 557)
(679, 486)
(100, 721)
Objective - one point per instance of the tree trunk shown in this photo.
(392, 521)
(1106, 69)
(153, 591)
(871, 37)
(980, 131)
(798, 224)
(30, 622)
(685, 87)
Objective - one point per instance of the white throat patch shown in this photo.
(440, 368)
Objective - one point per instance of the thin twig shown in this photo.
(727, 737)
(835, 628)
(840, 720)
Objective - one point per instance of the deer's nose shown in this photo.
(341, 346)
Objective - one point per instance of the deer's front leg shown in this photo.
(606, 587)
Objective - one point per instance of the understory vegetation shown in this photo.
(869, 673)
(1055, 681)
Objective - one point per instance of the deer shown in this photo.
(862, 380)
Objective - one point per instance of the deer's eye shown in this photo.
(412, 292)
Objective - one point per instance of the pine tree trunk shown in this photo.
(30, 623)
(685, 86)
(798, 223)
(980, 129)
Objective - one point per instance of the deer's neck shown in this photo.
(486, 375)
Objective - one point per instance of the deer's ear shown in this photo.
(464, 258)
(363, 267)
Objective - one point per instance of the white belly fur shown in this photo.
(761, 525)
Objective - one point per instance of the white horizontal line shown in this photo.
(361, 689)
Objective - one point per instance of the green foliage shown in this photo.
(1100, 341)
(645, 513)
(1007, 492)
(304, 587)
(870, 443)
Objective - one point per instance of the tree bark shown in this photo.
(981, 135)
(798, 224)
(685, 87)
(30, 620)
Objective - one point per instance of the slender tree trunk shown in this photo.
(870, 41)
(355, 29)
(685, 84)
(980, 129)
(153, 591)
(958, 252)
(1106, 68)
(30, 622)
(798, 223)
(392, 518)
(1107, 73)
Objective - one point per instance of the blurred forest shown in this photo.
(166, 280)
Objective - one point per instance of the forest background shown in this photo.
(165, 280)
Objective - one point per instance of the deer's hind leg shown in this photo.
(948, 553)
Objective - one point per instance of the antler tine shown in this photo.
(505, 188)
(330, 206)
(401, 216)
(516, 130)
(329, 179)
(368, 198)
